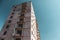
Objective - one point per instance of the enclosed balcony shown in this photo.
(17, 38)
(24, 5)
(20, 22)
(17, 33)
(18, 26)
(21, 16)
(24, 10)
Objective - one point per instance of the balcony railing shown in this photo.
(20, 22)
(17, 35)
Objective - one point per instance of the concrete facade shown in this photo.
(21, 24)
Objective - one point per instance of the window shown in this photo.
(22, 14)
(9, 21)
(12, 13)
(23, 10)
(20, 25)
(11, 16)
(18, 9)
(5, 33)
(19, 32)
(2, 39)
(18, 39)
(24, 4)
(21, 19)
(32, 32)
(7, 26)
(14, 7)
(24, 7)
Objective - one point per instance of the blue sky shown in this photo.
(47, 13)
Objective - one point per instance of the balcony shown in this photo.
(20, 22)
(23, 11)
(21, 16)
(18, 28)
(24, 4)
(17, 35)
